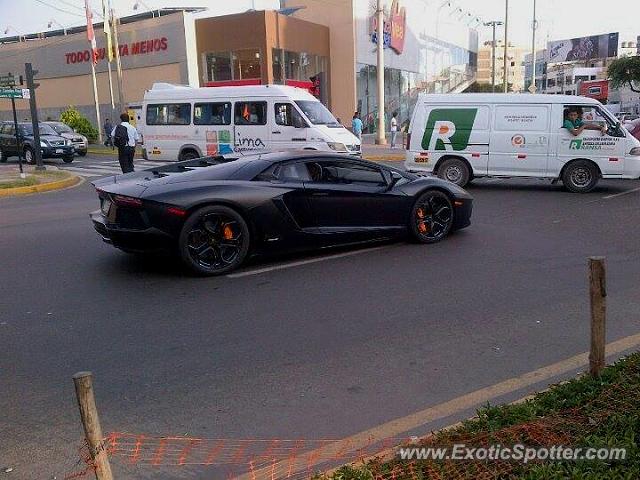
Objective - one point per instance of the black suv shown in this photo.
(52, 145)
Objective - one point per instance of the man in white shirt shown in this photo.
(125, 137)
(394, 129)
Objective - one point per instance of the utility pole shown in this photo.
(505, 73)
(533, 87)
(31, 85)
(380, 133)
(116, 43)
(494, 24)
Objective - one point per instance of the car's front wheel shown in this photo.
(67, 159)
(214, 240)
(580, 176)
(29, 155)
(82, 153)
(431, 217)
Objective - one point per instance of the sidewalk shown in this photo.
(35, 181)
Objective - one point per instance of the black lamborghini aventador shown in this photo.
(216, 211)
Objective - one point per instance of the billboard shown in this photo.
(598, 89)
(583, 48)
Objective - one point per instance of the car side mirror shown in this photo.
(395, 178)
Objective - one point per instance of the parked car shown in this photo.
(52, 145)
(216, 211)
(79, 142)
(462, 137)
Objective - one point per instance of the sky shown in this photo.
(557, 19)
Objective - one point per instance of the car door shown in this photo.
(9, 139)
(520, 139)
(251, 126)
(350, 196)
(289, 129)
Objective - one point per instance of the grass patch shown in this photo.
(34, 178)
(584, 412)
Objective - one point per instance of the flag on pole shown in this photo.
(107, 28)
(91, 36)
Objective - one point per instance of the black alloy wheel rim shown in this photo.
(433, 217)
(215, 241)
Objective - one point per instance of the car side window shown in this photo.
(250, 113)
(287, 115)
(296, 171)
(345, 173)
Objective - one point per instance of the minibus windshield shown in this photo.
(316, 112)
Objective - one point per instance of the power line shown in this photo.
(59, 9)
(72, 5)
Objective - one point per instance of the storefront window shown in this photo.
(246, 64)
(218, 66)
(278, 70)
(292, 65)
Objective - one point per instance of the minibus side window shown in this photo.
(169, 114)
(250, 113)
(288, 116)
(212, 113)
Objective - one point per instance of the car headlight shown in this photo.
(635, 151)
(43, 144)
(338, 147)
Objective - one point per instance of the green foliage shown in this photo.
(625, 72)
(72, 117)
(487, 88)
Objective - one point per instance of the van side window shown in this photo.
(169, 114)
(212, 113)
(250, 113)
(287, 115)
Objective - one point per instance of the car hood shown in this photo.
(338, 134)
(49, 137)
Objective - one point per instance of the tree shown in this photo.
(487, 88)
(72, 117)
(625, 72)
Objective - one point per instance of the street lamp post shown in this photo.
(505, 80)
(533, 50)
(380, 133)
(493, 24)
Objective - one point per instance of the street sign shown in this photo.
(532, 88)
(14, 93)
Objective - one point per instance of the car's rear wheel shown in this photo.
(431, 217)
(82, 153)
(189, 155)
(580, 176)
(455, 171)
(214, 240)
(68, 159)
(29, 155)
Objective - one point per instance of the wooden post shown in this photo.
(83, 382)
(598, 294)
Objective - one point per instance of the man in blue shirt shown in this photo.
(576, 126)
(356, 125)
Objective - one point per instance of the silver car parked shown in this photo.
(79, 142)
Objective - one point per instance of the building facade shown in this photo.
(330, 51)
(515, 65)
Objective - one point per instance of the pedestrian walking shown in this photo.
(125, 137)
(108, 128)
(356, 125)
(394, 129)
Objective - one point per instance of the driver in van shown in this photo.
(573, 122)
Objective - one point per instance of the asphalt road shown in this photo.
(320, 350)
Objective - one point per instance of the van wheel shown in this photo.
(455, 171)
(189, 155)
(580, 176)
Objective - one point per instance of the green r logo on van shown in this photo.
(449, 129)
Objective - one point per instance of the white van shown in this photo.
(180, 123)
(460, 137)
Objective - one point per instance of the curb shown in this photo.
(43, 187)
(388, 158)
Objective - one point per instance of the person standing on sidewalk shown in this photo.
(108, 128)
(394, 129)
(125, 137)
(356, 125)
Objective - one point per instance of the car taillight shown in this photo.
(408, 140)
(125, 201)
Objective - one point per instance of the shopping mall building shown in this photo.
(327, 46)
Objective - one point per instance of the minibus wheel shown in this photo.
(580, 176)
(455, 171)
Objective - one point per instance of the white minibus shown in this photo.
(180, 122)
(460, 137)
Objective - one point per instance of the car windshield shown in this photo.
(27, 129)
(316, 112)
(62, 128)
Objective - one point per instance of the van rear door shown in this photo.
(520, 140)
